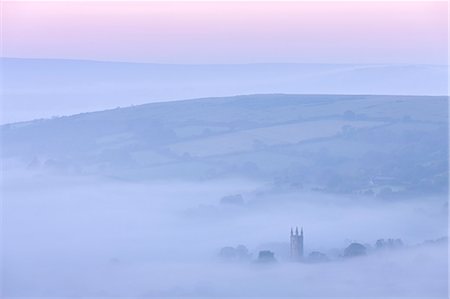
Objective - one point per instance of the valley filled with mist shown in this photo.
(180, 198)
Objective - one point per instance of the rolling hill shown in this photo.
(373, 145)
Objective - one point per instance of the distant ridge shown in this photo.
(214, 64)
(41, 88)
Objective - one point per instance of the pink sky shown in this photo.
(233, 32)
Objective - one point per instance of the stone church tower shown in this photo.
(296, 245)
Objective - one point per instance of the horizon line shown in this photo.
(222, 64)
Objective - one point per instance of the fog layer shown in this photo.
(198, 198)
(99, 237)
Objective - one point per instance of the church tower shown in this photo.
(296, 245)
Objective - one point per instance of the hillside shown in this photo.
(385, 146)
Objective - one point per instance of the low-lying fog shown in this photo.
(89, 236)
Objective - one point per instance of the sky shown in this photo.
(228, 32)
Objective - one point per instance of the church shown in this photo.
(296, 245)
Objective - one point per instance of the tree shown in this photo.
(355, 249)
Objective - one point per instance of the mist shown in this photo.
(96, 236)
(224, 150)
(203, 198)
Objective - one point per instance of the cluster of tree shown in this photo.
(240, 253)
(388, 244)
(235, 254)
